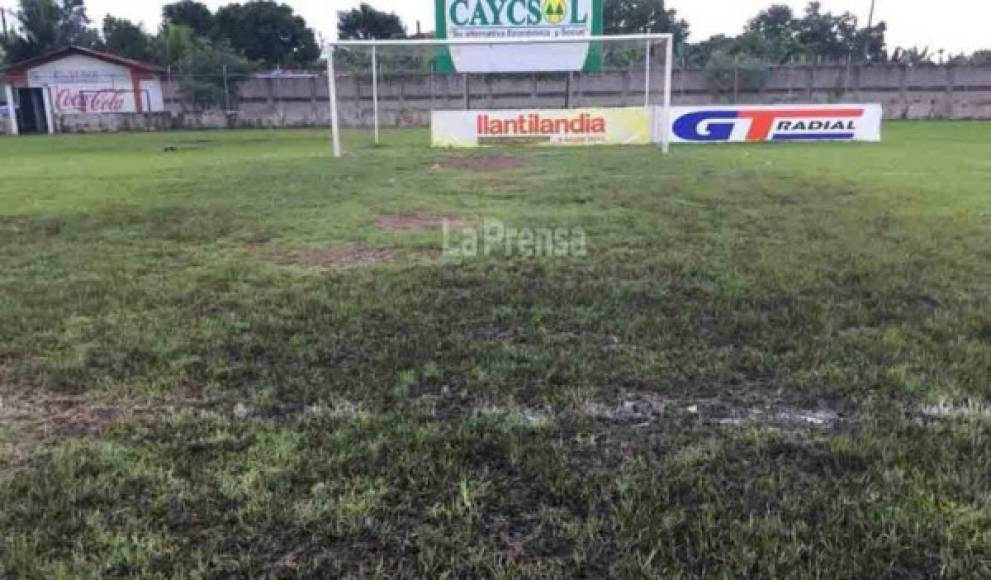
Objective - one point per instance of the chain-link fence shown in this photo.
(408, 93)
(291, 98)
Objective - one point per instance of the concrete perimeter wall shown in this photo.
(119, 122)
(921, 92)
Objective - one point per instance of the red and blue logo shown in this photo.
(786, 124)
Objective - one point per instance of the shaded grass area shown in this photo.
(500, 496)
(846, 277)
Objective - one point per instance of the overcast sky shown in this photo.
(953, 25)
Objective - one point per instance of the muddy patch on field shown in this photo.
(485, 163)
(422, 222)
(343, 258)
(27, 422)
(638, 411)
(60, 416)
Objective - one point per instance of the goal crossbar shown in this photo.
(374, 44)
(495, 41)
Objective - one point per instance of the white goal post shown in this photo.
(647, 41)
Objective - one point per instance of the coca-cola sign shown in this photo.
(99, 101)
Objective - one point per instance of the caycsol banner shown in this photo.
(573, 127)
(519, 19)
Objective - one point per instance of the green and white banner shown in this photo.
(519, 19)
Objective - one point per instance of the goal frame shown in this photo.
(648, 40)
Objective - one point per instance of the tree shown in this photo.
(778, 29)
(644, 17)
(173, 43)
(200, 79)
(873, 42)
(777, 36)
(73, 23)
(823, 35)
(191, 14)
(912, 56)
(700, 53)
(267, 32)
(366, 23)
(125, 38)
(981, 58)
(47, 25)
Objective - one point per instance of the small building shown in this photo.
(78, 81)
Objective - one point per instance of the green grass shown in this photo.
(240, 412)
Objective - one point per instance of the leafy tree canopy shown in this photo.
(197, 74)
(777, 28)
(778, 36)
(43, 26)
(642, 17)
(267, 32)
(366, 23)
(981, 58)
(123, 37)
(191, 14)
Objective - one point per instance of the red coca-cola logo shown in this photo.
(104, 101)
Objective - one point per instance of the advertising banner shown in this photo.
(742, 124)
(519, 19)
(573, 127)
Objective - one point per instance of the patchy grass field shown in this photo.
(244, 359)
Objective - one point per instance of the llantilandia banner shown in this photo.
(573, 127)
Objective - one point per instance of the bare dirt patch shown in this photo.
(422, 221)
(61, 416)
(30, 421)
(485, 163)
(343, 257)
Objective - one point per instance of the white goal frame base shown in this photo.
(648, 39)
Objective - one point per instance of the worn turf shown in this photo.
(229, 355)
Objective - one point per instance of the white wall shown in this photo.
(81, 84)
(155, 101)
(6, 109)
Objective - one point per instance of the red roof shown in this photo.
(23, 66)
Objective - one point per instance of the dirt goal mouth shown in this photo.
(485, 163)
(423, 222)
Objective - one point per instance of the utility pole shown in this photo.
(870, 30)
(3, 19)
(227, 92)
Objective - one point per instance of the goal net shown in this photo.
(503, 91)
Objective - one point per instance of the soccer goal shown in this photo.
(477, 92)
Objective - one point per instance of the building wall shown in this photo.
(155, 102)
(4, 119)
(82, 84)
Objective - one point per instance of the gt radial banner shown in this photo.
(626, 126)
(519, 19)
(776, 123)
